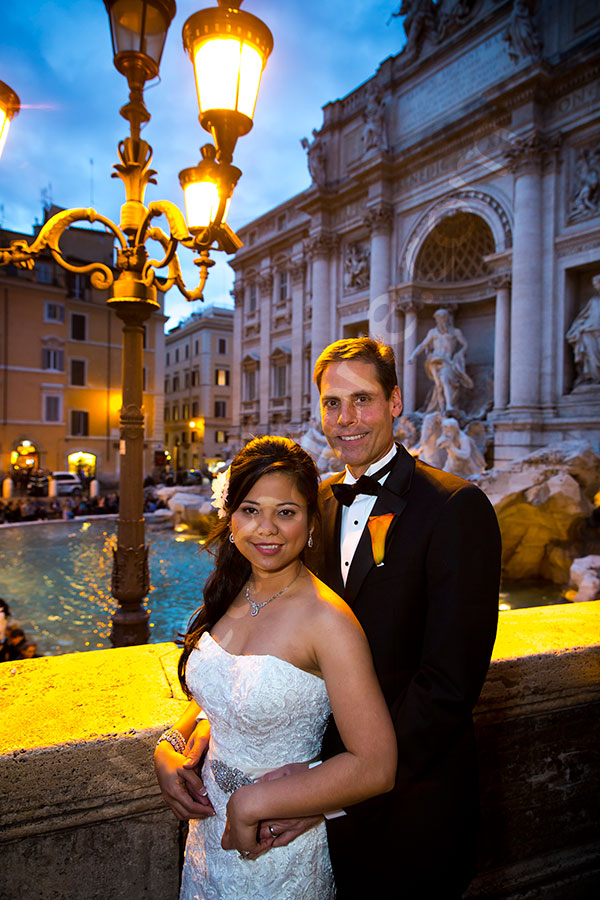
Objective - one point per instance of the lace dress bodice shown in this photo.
(264, 712)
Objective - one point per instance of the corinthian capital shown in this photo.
(322, 245)
(532, 153)
(380, 219)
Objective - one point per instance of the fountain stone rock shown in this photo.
(543, 501)
(584, 579)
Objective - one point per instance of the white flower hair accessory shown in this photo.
(220, 489)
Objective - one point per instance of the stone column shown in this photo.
(297, 270)
(501, 284)
(410, 309)
(265, 288)
(320, 248)
(525, 161)
(382, 317)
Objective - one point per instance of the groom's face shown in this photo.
(358, 419)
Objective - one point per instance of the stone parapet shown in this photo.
(82, 818)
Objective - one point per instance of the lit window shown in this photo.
(222, 377)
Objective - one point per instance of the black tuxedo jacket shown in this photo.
(430, 615)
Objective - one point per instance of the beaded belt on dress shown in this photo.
(228, 778)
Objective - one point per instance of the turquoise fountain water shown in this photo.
(56, 578)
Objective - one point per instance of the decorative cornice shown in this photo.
(265, 281)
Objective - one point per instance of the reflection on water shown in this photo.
(56, 577)
(521, 594)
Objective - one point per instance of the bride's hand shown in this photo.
(181, 787)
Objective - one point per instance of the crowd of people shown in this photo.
(14, 643)
(28, 509)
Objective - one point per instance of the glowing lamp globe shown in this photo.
(229, 49)
(9, 108)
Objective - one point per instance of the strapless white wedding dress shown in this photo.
(264, 712)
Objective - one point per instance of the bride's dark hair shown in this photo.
(262, 456)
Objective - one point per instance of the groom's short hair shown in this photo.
(363, 349)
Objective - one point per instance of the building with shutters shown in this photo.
(60, 366)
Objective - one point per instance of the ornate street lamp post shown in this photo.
(229, 48)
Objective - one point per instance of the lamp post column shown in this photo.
(133, 303)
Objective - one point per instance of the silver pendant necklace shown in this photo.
(255, 608)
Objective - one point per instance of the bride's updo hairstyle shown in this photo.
(261, 456)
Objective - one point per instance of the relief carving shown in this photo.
(356, 266)
(585, 193)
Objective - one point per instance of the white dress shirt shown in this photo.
(355, 516)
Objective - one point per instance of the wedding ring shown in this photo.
(272, 830)
(243, 854)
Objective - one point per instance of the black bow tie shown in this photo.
(366, 484)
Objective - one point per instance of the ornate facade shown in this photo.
(464, 175)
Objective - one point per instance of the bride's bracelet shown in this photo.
(175, 739)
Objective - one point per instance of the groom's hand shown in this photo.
(284, 831)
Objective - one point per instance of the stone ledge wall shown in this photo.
(81, 817)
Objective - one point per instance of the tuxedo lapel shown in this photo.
(331, 517)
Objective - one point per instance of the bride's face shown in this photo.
(270, 526)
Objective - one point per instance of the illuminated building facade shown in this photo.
(464, 175)
(60, 367)
(198, 389)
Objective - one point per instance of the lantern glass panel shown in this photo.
(4, 126)
(139, 27)
(227, 75)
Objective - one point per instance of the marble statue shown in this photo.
(419, 21)
(584, 336)
(445, 347)
(317, 158)
(429, 450)
(462, 456)
(373, 135)
(521, 34)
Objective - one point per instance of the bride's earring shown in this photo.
(310, 539)
(231, 537)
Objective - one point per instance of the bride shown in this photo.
(271, 654)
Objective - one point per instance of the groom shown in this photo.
(415, 552)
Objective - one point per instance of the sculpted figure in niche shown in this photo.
(445, 347)
(373, 134)
(419, 21)
(586, 196)
(584, 336)
(521, 34)
(317, 158)
(356, 266)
